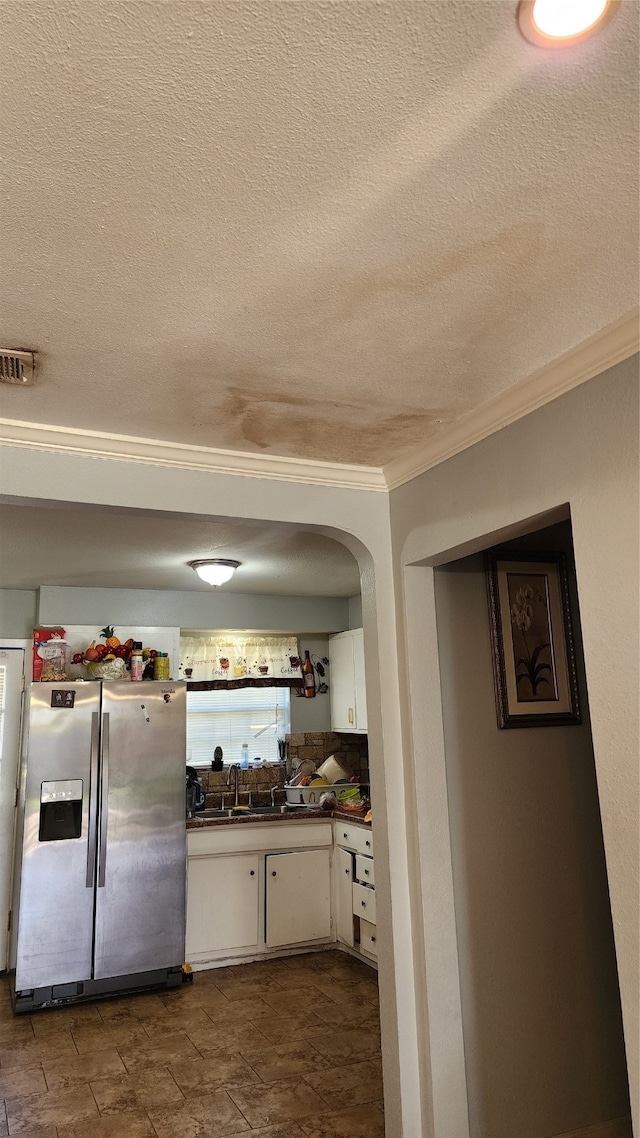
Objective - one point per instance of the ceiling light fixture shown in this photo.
(215, 570)
(561, 23)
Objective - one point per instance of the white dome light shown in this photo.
(559, 23)
(215, 570)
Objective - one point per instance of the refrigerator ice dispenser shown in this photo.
(60, 810)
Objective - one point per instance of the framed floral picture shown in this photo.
(531, 639)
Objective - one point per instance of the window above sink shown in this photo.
(227, 719)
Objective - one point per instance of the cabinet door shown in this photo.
(359, 683)
(342, 687)
(222, 903)
(298, 893)
(343, 866)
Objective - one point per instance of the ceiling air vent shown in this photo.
(16, 367)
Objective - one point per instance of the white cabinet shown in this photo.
(368, 938)
(298, 897)
(343, 895)
(364, 870)
(222, 904)
(364, 902)
(236, 909)
(347, 686)
(356, 838)
(354, 888)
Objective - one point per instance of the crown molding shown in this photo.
(153, 452)
(610, 346)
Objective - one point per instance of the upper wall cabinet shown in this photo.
(347, 687)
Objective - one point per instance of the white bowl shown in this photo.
(333, 771)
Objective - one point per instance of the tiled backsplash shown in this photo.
(350, 750)
(256, 781)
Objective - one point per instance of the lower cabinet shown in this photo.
(368, 938)
(222, 904)
(343, 895)
(298, 897)
(253, 888)
(354, 889)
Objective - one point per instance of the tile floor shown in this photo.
(287, 1048)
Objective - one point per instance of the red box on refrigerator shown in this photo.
(44, 649)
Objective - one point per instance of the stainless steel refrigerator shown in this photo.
(99, 897)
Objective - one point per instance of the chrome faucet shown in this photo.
(235, 767)
(274, 790)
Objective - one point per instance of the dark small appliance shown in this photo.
(195, 793)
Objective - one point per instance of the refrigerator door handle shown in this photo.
(104, 797)
(93, 793)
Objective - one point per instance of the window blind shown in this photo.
(227, 719)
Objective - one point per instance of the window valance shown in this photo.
(228, 660)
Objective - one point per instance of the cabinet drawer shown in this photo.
(364, 870)
(364, 903)
(368, 938)
(354, 838)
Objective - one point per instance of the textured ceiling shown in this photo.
(102, 547)
(310, 229)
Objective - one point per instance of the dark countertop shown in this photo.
(288, 816)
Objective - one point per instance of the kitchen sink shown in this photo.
(228, 813)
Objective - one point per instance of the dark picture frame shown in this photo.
(534, 663)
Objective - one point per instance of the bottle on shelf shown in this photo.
(308, 677)
(244, 757)
(136, 661)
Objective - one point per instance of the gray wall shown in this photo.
(540, 1001)
(20, 613)
(301, 615)
(17, 613)
(581, 450)
(195, 610)
(312, 714)
(355, 612)
(216, 610)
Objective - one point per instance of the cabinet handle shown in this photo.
(366, 872)
(350, 714)
(364, 904)
(373, 940)
(347, 872)
(368, 844)
(273, 872)
(252, 872)
(345, 835)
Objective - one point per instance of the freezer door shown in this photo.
(56, 878)
(140, 895)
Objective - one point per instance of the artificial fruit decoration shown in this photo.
(111, 641)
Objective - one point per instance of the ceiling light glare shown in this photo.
(560, 23)
(215, 570)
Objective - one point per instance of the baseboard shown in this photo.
(614, 1128)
